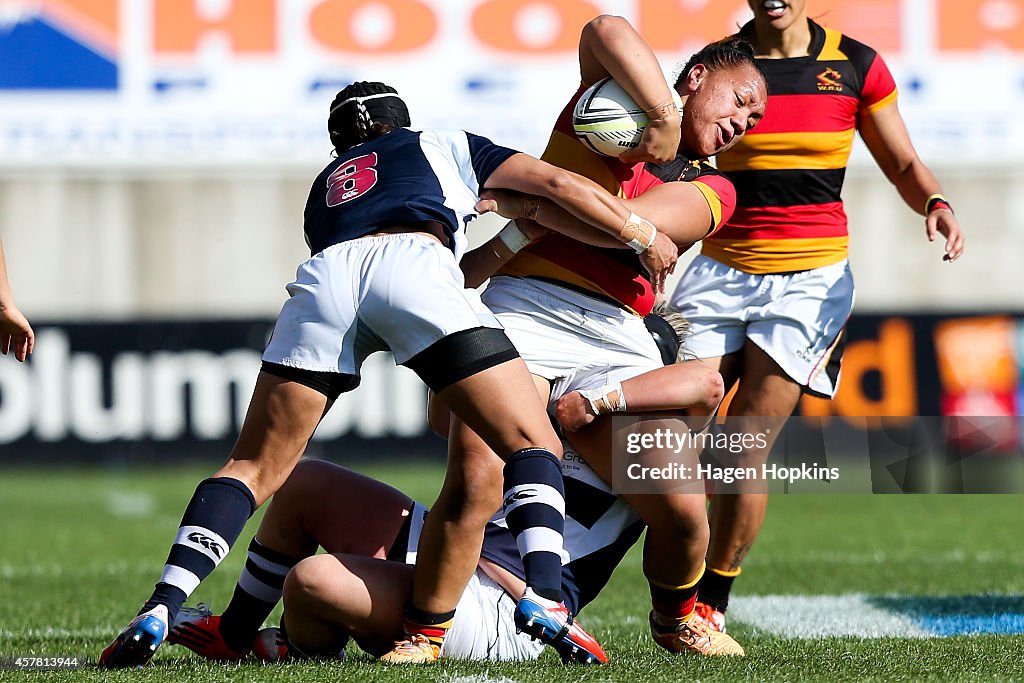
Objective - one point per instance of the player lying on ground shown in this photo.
(359, 588)
(385, 223)
(575, 313)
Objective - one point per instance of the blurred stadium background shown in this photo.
(155, 157)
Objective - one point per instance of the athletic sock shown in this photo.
(214, 518)
(431, 625)
(714, 588)
(258, 591)
(673, 605)
(534, 507)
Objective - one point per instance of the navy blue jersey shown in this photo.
(599, 529)
(404, 177)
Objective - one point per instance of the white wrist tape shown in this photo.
(638, 233)
(607, 399)
(513, 238)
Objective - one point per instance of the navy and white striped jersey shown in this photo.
(404, 177)
(599, 529)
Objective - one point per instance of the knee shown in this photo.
(712, 388)
(306, 582)
(679, 518)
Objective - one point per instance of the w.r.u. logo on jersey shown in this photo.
(352, 179)
(828, 80)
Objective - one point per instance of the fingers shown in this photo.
(486, 206)
(21, 349)
(633, 156)
(931, 227)
(5, 344)
(943, 222)
(954, 246)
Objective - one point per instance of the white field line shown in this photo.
(479, 678)
(822, 616)
(131, 504)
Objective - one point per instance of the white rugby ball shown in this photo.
(608, 121)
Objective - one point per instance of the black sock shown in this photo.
(258, 590)
(431, 625)
(215, 516)
(714, 588)
(534, 506)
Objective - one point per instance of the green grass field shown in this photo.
(79, 551)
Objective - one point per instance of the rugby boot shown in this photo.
(694, 637)
(137, 644)
(198, 629)
(552, 624)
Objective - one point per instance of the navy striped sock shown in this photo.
(215, 516)
(258, 590)
(534, 506)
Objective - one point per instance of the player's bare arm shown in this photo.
(668, 389)
(680, 211)
(887, 139)
(609, 46)
(585, 200)
(481, 263)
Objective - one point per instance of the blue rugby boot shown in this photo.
(137, 643)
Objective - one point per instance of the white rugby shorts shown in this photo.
(484, 627)
(796, 318)
(573, 340)
(399, 292)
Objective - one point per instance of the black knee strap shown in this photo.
(461, 355)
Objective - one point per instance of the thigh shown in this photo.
(317, 328)
(545, 329)
(766, 389)
(626, 350)
(802, 328)
(502, 405)
(415, 295)
(331, 503)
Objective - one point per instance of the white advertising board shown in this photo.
(215, 82)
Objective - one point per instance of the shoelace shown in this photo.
(413, 644)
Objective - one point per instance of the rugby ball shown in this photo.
(608, 121)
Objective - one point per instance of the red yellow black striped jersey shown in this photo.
(614, 274)
(789, 171)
